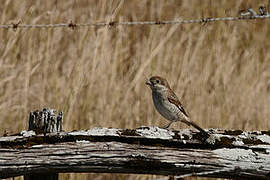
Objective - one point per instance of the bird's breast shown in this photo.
(165, 108)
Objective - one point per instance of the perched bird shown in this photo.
(168, 104)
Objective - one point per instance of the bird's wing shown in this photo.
(174, 100)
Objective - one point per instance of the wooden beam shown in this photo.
(145, 150)
(44, 121)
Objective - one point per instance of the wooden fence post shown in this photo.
(45, 121)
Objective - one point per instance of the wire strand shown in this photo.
(132, 23)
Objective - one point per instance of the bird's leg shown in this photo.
(168, 125)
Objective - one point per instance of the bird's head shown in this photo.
(157, 83)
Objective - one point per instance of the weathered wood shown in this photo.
(40, 176)
(146, 150)
(45, 121)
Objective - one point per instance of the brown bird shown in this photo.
(168, 104)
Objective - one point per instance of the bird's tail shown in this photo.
(191, 123)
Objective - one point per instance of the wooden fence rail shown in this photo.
(45, 151)
(146, 150)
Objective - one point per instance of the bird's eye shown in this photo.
(157, 81)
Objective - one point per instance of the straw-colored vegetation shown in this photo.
(221, 71)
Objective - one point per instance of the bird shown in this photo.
(167, 103)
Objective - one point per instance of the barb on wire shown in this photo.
(112, 23)
(263, 11)
(15, 25)
(248, 14)
(72, 25)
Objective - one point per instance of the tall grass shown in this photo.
(221, 71)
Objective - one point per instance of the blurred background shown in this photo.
(220, 71)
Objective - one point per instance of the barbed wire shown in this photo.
(250, 14)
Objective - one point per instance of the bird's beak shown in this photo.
(148, 83)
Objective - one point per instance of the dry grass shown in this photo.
(221, 71)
